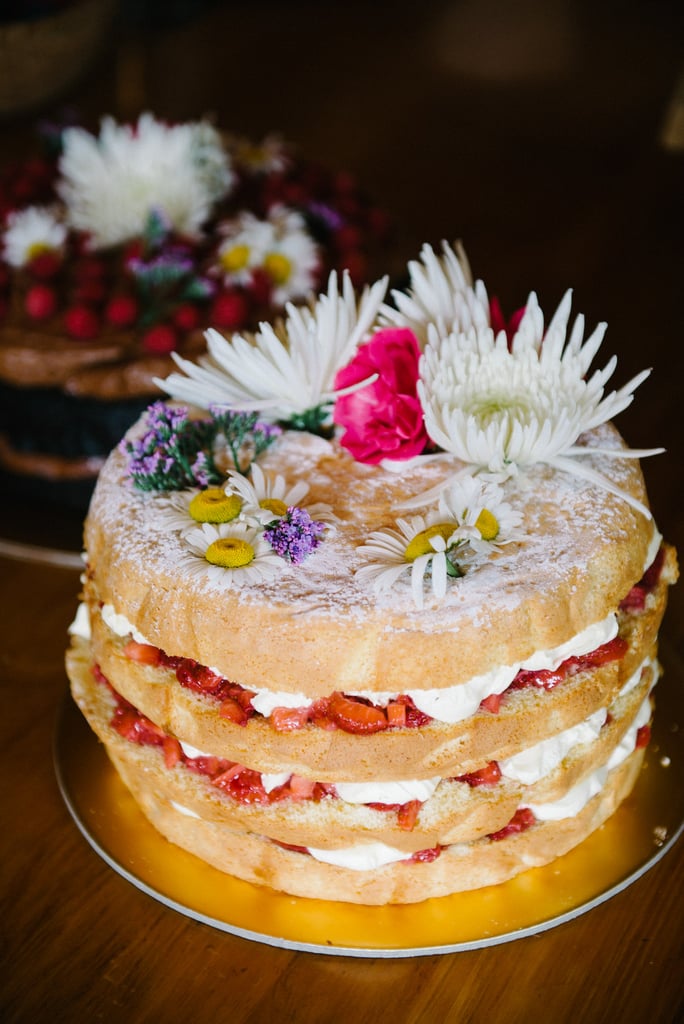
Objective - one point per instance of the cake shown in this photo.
(121, 246)
(371, 600)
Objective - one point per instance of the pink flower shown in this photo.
(383, 420)
(499, 322)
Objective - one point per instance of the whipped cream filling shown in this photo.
(579, 796)
(449, 705)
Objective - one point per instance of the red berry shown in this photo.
(90, 291)
(159, 340)
(82, 323)
(89, 268)
(186, 317)
(229, 309)
(122, 311)
(40, 302)
(45, 265)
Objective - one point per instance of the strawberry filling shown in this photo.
(635, 601)
(520, 822)
(351, 714)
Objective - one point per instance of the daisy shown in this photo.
(502, 410)
(111, 182)
(229, 555)
(292, 259)
(441, 296)
(30, 232)
(266, 497)
(181, 511)
(246, 243)
(285, 372)
(487, 521)
(418, 547)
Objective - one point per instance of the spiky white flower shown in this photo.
(112, 181)
(266, 496)
(31, 231)
(441, 296)
(503, 410)
(229, 555)
(284, 371)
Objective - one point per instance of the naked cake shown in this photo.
(371, 605)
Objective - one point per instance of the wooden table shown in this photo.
(538, 140)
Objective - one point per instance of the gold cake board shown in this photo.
(635, 838)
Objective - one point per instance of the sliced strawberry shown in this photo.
(233, 711)
(407, 815)
(643, 737)
(487, 776)
(396, 714)
(522, 820)
(144, 654)
(425, 856)
(301, 788)
(289, 719)
(492, 703)
(173, 752)
(355, 715)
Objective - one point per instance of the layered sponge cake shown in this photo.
(372, 616)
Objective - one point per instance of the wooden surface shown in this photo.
(543, 135)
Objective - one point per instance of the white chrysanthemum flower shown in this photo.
(487, 521)
(266, 497)
(246, 242)
(503, 410)
(111, 182)
(417, 547)
(283, 372)
(30, 232)
(441, 296)
(292, 258)
(230, 555)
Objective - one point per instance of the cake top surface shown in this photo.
(470, 505)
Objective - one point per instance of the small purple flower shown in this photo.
(294, 536)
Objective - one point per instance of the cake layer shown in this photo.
(456, 812)
(321, 627)
(525, 715)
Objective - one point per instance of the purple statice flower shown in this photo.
(327, 214)
(162, 270)
(295, 535)
(173, 453)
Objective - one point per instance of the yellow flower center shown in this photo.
(274, 505)
(214, 506)
(230, 553)
(278, 267)
(36, 249)
(420, 545)
(235, 258)
(487, 524)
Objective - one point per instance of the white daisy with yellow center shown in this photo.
(31, 232)
(246, 242)
(265, 496)
(441, 296)
(181, 511)
(501, 409)
(292, 258)
(471, 522)
(286, 371)
(229, 555)
(111, 182)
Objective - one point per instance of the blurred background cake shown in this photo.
(120, 246)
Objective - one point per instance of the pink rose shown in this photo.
(383, 420)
